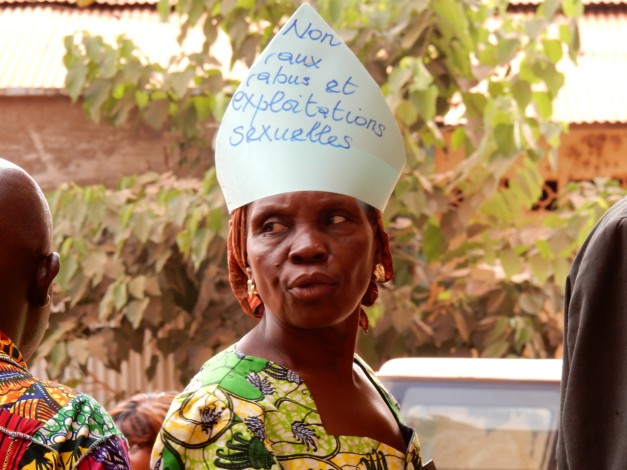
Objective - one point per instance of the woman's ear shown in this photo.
(47, 269)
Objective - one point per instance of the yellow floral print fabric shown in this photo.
(244, 412)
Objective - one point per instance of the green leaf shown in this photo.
(475, 103)
(163, 8)
(136, 287)
(93, 265)
(548, 73)
(425, 102)
(68, 269)
(543, 104)
(451, 18)
(548, 8)
(573, 8)
(203, 106)
(199, 246)
(534, 27)
(407, 113)
(335, 10)
(156, 113)
(57, 359)
(531, 303)
(118, 91)
(94, 46)
(539, 268)
(141, 98)
(433, 243)
(179, 81)
(421, 77)
(505, 141)
(511, 263)
(544, 248)
(184, 242)
(75, 80)
(496, 349)
(458, 138)
(95, 96)
(561, 267)
(522, 336)
(400, 76)
(78, 350)
(134, 311)
(507, 49)
(521, 91)
(553, 50)
(119, 294)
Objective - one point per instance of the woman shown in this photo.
(139, 418)
(307, 156)
(294, 380)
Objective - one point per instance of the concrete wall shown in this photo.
(595, 150)
(586, 152)
(55, 141)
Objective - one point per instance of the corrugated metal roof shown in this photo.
(519, 3)
(594, 90)
(513, 3)
(32, 49)
(73, 2)
(31, 53)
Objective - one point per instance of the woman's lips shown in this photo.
(312, 286)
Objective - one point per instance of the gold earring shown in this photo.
(250, 284)
(252, 289)
(379, 273)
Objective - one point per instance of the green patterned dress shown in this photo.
(243, 412)
(47, 426)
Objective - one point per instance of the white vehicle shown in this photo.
(486, 414)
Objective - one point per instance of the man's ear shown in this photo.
(46, 271)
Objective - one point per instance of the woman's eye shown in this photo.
(337, 219)
(273, 227)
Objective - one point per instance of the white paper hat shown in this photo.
(308, 117)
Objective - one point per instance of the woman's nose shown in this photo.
(307, 246)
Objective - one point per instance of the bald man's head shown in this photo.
(25, 221)
(27, 264)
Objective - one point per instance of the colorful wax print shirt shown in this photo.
(45, 425)
(244, 412)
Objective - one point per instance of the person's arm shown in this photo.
(593, 405)
(111, 453)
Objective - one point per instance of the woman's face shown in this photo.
(311, 255)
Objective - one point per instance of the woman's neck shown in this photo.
(303, 350)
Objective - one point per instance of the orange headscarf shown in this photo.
(237, 260)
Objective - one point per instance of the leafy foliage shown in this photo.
(143, 262)
(478, 272)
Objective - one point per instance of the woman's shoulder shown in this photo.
(395, 406)
(229, 369)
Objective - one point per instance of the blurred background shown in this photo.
(515, 123)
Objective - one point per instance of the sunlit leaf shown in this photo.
(433, 242)
(134, 311)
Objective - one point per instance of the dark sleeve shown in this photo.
(111, 453)
(593, 408)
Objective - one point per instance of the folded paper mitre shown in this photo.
(308, 117)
